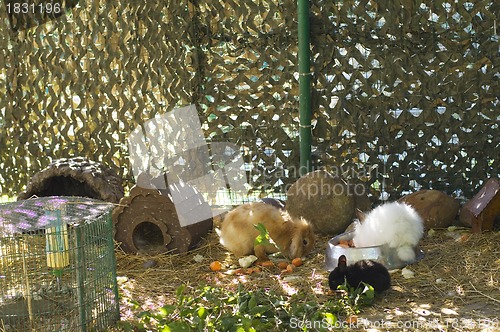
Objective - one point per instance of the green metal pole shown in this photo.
(112, 262)
(304, 53)
(80, 278)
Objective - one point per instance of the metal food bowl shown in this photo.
(382, 254)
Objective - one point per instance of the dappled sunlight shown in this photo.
(455, 286)
(126, 290)
(288, 289)
(439, 296)
(318, 283)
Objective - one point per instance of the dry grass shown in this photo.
(456, 284)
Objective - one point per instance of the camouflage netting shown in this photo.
(405, 90)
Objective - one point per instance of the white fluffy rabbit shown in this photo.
(396, 224)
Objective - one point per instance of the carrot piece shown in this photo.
(215, 266)
(297, 261)
(282, 265)
(266, 264)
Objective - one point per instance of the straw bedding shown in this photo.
(455, 285)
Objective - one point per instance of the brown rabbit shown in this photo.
(294, 237)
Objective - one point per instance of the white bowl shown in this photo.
(382, 254)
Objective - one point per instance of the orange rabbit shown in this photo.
(294, 237)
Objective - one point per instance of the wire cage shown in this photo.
(58, 269)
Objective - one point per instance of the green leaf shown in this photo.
(243, 306)
(134, 303)
(142, 314)
(261, 228)
(258, 310)
(167, 309)
(180, 290)
(179, 326)
(368, 291)
(330, 318)
(263, 238)
(227, 323)
(180, 294)
(202, 312)
(252, 302)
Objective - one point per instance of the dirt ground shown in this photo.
(455, 286)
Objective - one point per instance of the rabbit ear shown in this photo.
(361, 215)
(298, 237)
(342, 263)
(296, 245)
